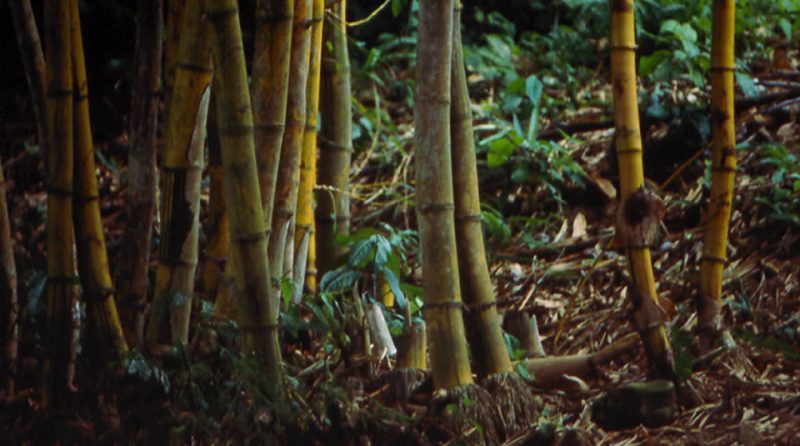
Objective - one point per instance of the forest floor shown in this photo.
(572, 283)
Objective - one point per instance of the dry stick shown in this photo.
(104, 337)
(33, 63)
(258, 307)
(60, 236)
(140, 196)
(281, 245)
(335, 145)
(9, 304)
(182, 171)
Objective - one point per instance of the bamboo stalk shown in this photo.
(258, 308)
(308, 160)
(140, 197)
(104, 339)
(218, 244)
(629, 151)
(486, 340)
(175, 12)
(723, 169)
(281, 247)
(440, 281)
(182, 171)
(271, 59)
(33, 62)
(332, 216)
(9, 302)
(60, 236)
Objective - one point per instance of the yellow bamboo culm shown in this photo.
(723, 168)
(60, 236)
(105, 336)
(182, 169)
(629, 151)
(308, 162)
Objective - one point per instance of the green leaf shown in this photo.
(786, 27)
(361, 253)
(533, 89)
(747, 85)
(341, 278)
(648, 64)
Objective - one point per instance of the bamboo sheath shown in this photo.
(335, 143)
(181, 174)
(485, 336)
(60, 238)
(723, 165)
(281, 245)
(441, 290)
(308, 160)
(629, 151)
(258, 308)
(104, 331)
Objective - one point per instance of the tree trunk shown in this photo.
(60, 236)
(629, 152)
(440, 283)
(335, 141)
(723, 169)
(105, 340)
(180, 188)
(258, 308)
(141, 193)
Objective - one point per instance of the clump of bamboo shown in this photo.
(335, 142)
(258, 307)
(104, 332)
(140, 196)
(281, 244)
(304, 227)
(642, 291)
(182, 171)
(60, 237)
(723, 169)
(440, 281)
(9, 304)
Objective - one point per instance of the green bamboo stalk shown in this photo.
(440, 282)
(486, 340)
(271, 59)
(332, 216)
(258, 308)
